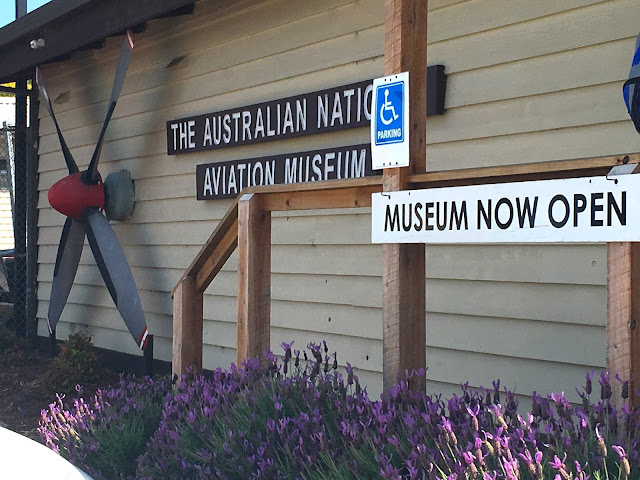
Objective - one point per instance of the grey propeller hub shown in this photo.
(119, 192)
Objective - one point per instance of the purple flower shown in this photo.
(468, 457)
(409, 420)
(620, 451)
(605, 386)
(589, 378)
(526, 456)
(538, 456)
(510, 469)
(598, 435)
(271, 424)
(557, 463)
(411, 468)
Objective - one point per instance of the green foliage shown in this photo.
(17, 353)
(123, 440)
(106, 435)
(12, 348)
(259, 421)
(76, 364)
(7, 338)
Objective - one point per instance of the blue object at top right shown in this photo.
(631, 88)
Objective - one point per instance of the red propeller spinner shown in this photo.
(70, 196)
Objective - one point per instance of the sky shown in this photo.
(8, 9)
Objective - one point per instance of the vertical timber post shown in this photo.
(20, 213)
(32, 218)
(623, 315)
(254, 278)
(403, 277)
(187, 327)
(148, 357)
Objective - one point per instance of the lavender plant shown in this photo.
(252, 422)
(301, 418)
(106, 435)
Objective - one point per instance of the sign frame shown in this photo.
(390, 129)
(575, 210)
(214, 180)
(322, 111)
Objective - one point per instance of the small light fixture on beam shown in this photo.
(37, 43)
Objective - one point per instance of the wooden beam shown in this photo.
(405, 50)
(97, 45)
(220, 254)
(326, 185)
(254, 277)
(224, 225)
(623, 315)
(581, 167)
(403, 274)
(178, 12)
(187, 327)
(342, 194)
(321, 194)
(319, 199)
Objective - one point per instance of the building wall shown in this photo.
(6, 218)
(6, 222)
(7, 110)
(528, 82)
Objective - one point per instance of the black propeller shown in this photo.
(81, 197)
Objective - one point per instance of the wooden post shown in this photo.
(187, 326)
(148, 357)
(254, 277)
(623, 315)
(403, 277)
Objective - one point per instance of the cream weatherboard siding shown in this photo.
(528, 81)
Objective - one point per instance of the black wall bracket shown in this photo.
(436, 89)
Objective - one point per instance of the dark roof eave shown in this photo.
(38, 19)
(67, 25)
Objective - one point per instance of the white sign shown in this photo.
(596, 209)
(390, 121)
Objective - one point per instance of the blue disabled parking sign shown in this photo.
(390, 121)
(389, 107)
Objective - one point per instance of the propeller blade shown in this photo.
(68, 158)
(116, 273)
(69, 252)
(121, 72)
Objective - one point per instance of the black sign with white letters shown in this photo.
(329, 110)
(227, 179)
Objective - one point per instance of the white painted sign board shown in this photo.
(595, 209)
(390, 121)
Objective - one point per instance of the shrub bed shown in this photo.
(106, 435)
(302, 418)
(76, 363)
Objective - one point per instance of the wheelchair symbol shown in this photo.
(387, 107)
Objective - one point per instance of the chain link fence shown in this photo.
(13, 245)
